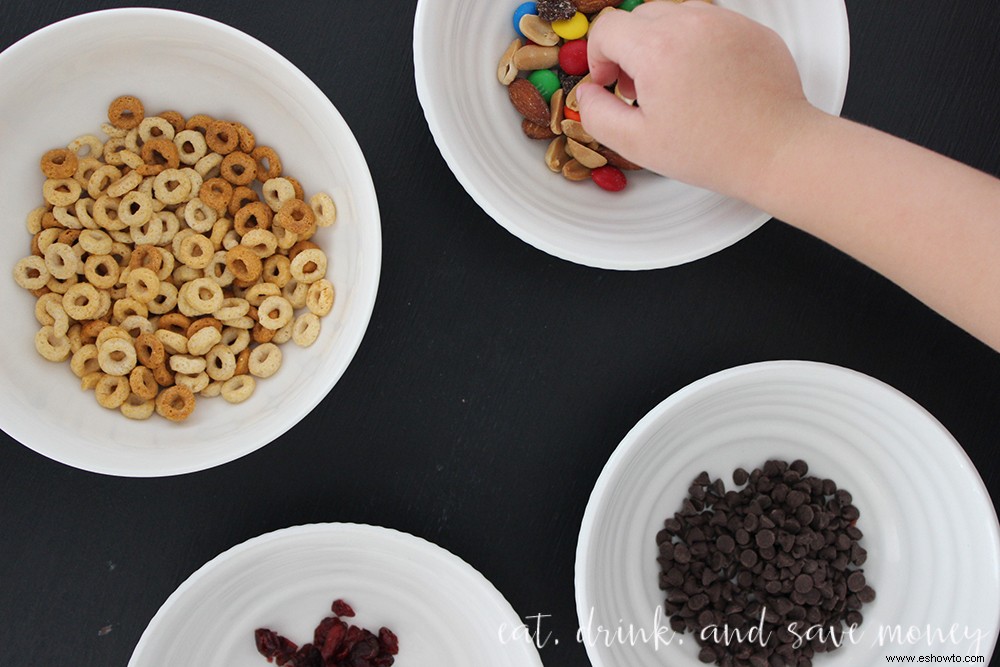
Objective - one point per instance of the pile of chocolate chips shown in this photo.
(782, 550)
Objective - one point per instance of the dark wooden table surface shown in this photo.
(495, 380)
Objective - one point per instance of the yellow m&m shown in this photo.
(571, 28)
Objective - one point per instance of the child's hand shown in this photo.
(718, 93)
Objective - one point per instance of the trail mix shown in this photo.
(335, 644)
(542, 68)
(171, 260)
(781, 556)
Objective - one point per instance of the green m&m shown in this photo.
(629, 5)
(546, 81)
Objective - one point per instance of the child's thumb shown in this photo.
(608, 119)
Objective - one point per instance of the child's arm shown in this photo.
(722, 107)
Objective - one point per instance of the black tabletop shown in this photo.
(494, 380)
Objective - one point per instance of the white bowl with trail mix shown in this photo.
(191, 267)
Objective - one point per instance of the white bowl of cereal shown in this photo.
(59, 83)
(654, 222)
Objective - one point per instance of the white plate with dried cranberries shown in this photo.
(438, 610)
(929, 527)
(654, 222)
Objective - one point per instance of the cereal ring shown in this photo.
(242, 195)
(222, 137)
(242, 362)
(110, 332)
(218, 271)
(135, 324)
(196, 251)
(199, 122)
(63, 286)
(69, 237)
(261, 241)
(256, 215)
(84, 209)
(101, 271)
(202, 295)
(296, 188)
(296, 293)
(135, 407)
(106, 214)
(59, 163)
(146, 257)
(275, 312)
(101, 179)
(238, 388)
(196, 182)
(209, 166)
(187, 364)
(247, 140)
(92, 329)
(51, 346)
(193, 381)
(306, 329)
(172, 186)
(157, 155)
(173, 343)
(276, 270)
(203, 340)
(30, 272)
(185, 274)
(66, 216)
(126, 112)
(277, 191)
(268, 162)
(320, 297)
(265, 360)
(60, 320)
(284, 334)
(175, 403)
(175, 119)
(90, 380)
(43, 239)
(34, 220)
(296, 216)
(203, 323)
(149, 350)
(175, 322)
(230, 240)
(309, 266)
(256, 293)
(86, 146)
(60, 261)
(127, 308)
(113, 132)
(95, 242)
(142, 284)
(212, 389)
(84, 360)
(150, 234)
(200, 216)
(244, 263)
(135, 209)
(125, 184)
(261, 335)
(132, 160)
(156, 127)
(61, 192)
(85, 171)
(191, 146)
(116, 356)
(220, 363)
(165, 299)
(216, 192)
(163, 375)
(111, 391)
(113, 149)
(324, 209)
(43, 307)
(235, 339)
(221, 227)
(238, 168)
(231, 309)
(82, 302)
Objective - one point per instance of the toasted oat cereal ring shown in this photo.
(203, 295)
(126, 308)
(277, 191)
(101, 271)
(90, 380)
(106, 214)
(101, 179)
(200, 216)
(149, 350)
(43, 306)
(220, 363)
(132, 160)
(135, 324)
(75, 337)
(222, 137)
(109, 332)
(244, 263)
(135, 407)
(66, 216)
(256, 215)
(60, 320)
(52, 346)
(95, 241)
(299, 247)
(49, 221)
(30, 272)
(84, 209)
(232, 307)
(84, 360)
(238, 388)
(199, 122)
(86, 146)
(142, 284)
(165, 300)
(61, 261)
(150, 233)
(296, 216)
(203, 340)
(61, 191)
(276, 270)
(237, 340)
(191, 146)
(320, 297)
(221, 227)
(296, 187)
(218, 271)
(172, 186)
(284, 334)
(296, 293)
(126, 112)
(187, 364)
(34, 219)
(175, 403)
(113, 149)
(196, 382)
(112, 391)
(116, 356)
(216, 192)
(175, 119)
(275, 312)
(135, 208)
(261, 335)
(209, 166)
(156, 127)
(173, 343)
(261, 241)
(230, 240)
(59, 163)
(265, 360)
(324, 209)
(257, 292)
(309, 266)
(85, 171)
(245, 322)
(238, 168)
(242, 195)
(125, 184)
(212, 389)
(161, 153)
(63, 286)
(92, 329)
(268, 163)
(43, 239)
(306, 329)
(82, 302)
(196, 251)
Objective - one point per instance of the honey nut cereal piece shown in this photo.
(296, 188)
(172, 186)
(242, 362)
(30, 272)
(187, 364)
(196, 382)
(173, 343)
(247, 139)
(324, 209)
(101, 271)
(309, 266)
(48, 219)
(142, 284)
(163, 375)
(111, 391)
(82, 302)
(142, 383)
(196, 251)
(320, 297)
(296, 216)
(238, 388)
(146, 256)
(238, 168)
(86, 146)
(275, 312)
(91, 329)
(244, 263)
(277, 270)
(157, 155)
(203, 323)
(175, 403)
(175, 322)
(265, 360)
(51, 346)
(126, 112)
(69, 237)
(176, 120)
(306, 329)
(255, 215)
(136, 408)
(222, 137)
(242, 195)
(84, 360)
(116, 356)
(204, 340)
(61, 192)
(59, 163)
(216, 192)
(268, 163)
(149, 350)
(277, 191)
(199, 122)
(261, 335)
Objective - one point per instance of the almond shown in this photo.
(528, 101)
(594, 6)
(534, 131)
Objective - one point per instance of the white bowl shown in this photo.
(57, 85)
(929, 525)
(656, 222)
(443, 610)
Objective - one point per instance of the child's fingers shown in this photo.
(607, 118)
(608, 47)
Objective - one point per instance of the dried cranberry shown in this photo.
(341, 608)
(267, 642)
(389, 641)
(333, 639)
